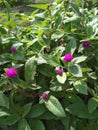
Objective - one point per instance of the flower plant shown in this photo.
(49, 68)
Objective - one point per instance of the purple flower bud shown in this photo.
(59, 71)
(13, 49)
(11, 72)
(86, 44)
(44, 96)
(68, 57)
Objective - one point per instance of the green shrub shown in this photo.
(16, 2)
(49, 68)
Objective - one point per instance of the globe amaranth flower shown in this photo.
(68, 57)
(13, 49)
(59, 71)
(44, 96)
(11, 72)
(86, 44)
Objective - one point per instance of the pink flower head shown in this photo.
(68, 57)
(44, 96)
(86, 44)
(11, 72)
(13, 49)
(59, 71)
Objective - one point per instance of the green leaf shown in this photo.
(81, 110)
(39, 6)
(92, 104)
(30, 69)
(19, 56)
(12, 119)
(91, 28)
(96, 57)
(71, 19)
(35, 87)
(46, 70)
(75, 70)
(75, 8)
(89, 31)
(79, 59)
(86, 69)
(40, 60)
(61, 78)
(21, 83)
(72, 45)
(4, 59)
(37, 110)
(58, 1)
(81, 87)
(47, 115)
(17, 45)
(54, 106)
(23, 125)
(25, 109)
(40, 15)
(51, 60)
(1, 1)
(73, 98)
(7, 5)
(72, 128)
(57, 35)
(56, 86)
(32, 42)
(36, 124)
(4, 101)
(13, 127)
(66, 122)
(3, 30)
(8, 8)
(76, 108)
(3, 113)
(92, 75)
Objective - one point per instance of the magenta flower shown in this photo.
(86, 44)
(11, 72)
(68, 57)
(59, 71)
(13, 49)
(44, 96)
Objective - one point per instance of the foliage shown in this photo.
(21, 2)
(16, 2)
(48, 67)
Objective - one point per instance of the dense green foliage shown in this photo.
(14, 3)
(20, 2)
(49, 67)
